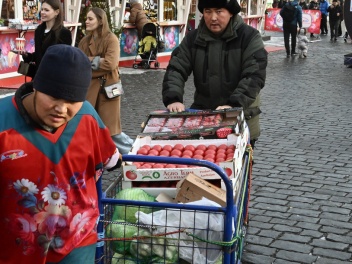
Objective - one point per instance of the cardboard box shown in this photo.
(192, 124)
(232, 167)
(194, 188)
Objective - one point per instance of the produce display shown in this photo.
(193, 124)
(212, 153)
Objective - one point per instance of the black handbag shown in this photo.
(27, 69)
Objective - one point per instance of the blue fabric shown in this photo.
(81, 255)
(324, 5)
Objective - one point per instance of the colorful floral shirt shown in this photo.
(48, 198)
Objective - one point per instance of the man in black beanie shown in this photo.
(228, 61)
(54, 147)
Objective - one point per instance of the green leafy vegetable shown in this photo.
(128, 212)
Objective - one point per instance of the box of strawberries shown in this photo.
(193, 124)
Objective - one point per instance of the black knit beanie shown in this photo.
(231, 5)
(64, 73)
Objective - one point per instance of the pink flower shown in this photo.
(23, 226)
(53, 220)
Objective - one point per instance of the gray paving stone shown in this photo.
(296, 256)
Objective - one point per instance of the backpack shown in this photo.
(288, 13)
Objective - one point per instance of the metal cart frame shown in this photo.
(233, 245)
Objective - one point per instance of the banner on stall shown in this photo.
(310, 20)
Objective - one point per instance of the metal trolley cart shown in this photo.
(200, 233)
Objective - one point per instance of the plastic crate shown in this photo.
(348, 59)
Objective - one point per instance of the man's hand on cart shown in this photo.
(176, 107)
(223, 107)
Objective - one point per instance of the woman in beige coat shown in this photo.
(103, 49)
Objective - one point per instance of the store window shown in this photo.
(31, 10)
(8, 9)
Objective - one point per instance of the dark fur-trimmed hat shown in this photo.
(231, 5)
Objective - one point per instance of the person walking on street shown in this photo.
(290, 26)
(303, 4)
(54, 147)
(228, 61)
(51, 31)
(282, 3)
(313, 5)
(323, 7)
(340, 4)
(334, 19)
(103, 49)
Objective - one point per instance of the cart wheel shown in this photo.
(146, 66)
(135, 66)
(156, 65)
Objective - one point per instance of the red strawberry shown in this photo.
(223, 132)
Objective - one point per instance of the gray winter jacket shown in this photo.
(228, 70)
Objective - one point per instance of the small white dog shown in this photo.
(302, 43)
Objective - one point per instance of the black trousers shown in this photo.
(290, 30)
(334, 28)
(324, 24)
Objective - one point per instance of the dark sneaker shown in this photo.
(288, 55)
(294, 53)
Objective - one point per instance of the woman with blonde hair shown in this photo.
(103, 50)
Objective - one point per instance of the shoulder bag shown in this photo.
(27, 69)
(111, 91)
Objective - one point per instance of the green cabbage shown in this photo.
(122, 259)
(116, 230)
(128, 212)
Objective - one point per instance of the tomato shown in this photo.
(142, 151)
(229, 156)
(212, 147)
(201, 147)
(147, 147)
(209, 156)
(167, 147)
(146, 166)
(209, 159)
(186, 156)
(179, 147)
(176, 152)
(190, 147)
(170, 166)
(209, 151)
(198, 152)
(220, 151)
(218, 160)
(222, 146)
(228, 151)
(181, 166)
(220, 155)
(231, 147)
(164, 153)
(137, 164)
(198, 156)
(157, 148)
(187, 152)
(153, 152)
(131, 175)
(228, 171)
(158, 165)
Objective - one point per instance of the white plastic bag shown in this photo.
(206, 225)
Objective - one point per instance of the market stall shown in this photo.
(184, 192)
(20, 19)
(170, 15)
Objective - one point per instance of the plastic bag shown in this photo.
(206, 225)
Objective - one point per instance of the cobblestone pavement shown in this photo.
(301, 195)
